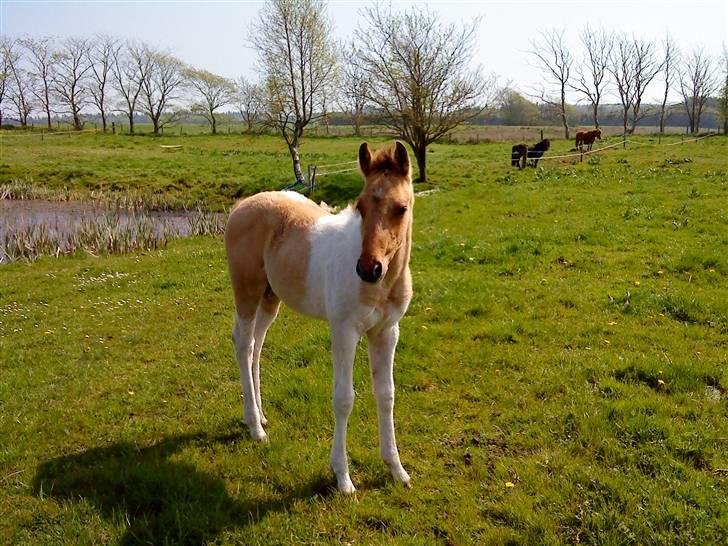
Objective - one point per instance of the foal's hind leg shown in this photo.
(243, 341)
(264, 317)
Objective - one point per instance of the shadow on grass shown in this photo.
(161, 500)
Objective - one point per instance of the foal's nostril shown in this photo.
(377, 271)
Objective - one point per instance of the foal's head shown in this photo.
(385, 206)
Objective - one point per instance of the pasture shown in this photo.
(561, 377)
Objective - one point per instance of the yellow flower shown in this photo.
(510, 484)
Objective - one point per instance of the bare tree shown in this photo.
(646, 68)
(41, 59)
(555, 62)
(101, 56)
(129, 67)
(249, 101)
(592, 73)
(296, 57)
(215, 91)
(6, 51)
(422, 84)
(622, 68)
(353, 98)
(18, 80)
(697, 83)
(70, 77)
(670, 56)
(161, 81)
(723, 100)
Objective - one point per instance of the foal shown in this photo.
(351, 269)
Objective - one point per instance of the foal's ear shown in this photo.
(401, 157)
(365, 158)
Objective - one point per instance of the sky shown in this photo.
(215, 35)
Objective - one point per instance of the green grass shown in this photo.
(568, 334)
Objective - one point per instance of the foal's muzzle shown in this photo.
(369, 274)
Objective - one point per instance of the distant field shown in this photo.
(562, 375)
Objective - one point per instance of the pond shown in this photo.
(30, 228)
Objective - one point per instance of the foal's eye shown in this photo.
(400, 210)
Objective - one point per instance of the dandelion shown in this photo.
(510, 484)
(637, 283)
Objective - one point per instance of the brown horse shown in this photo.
(350, 269)
(588, 138)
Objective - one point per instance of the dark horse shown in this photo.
(588, 138)
(537, 150)
(518, 155)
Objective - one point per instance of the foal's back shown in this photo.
(266, 227)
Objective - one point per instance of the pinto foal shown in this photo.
(351, 269)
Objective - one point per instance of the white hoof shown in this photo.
(344, 484)
(257, 433)
(400, 474)
(263, 420)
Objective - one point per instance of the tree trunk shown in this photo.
(421, 155)
(155, 123)
(131, 123)
(596, 115)
(214, 123)
(103, 120)
(77, 125)
(293, 149)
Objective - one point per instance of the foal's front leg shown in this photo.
(343, 340)
(382, 344)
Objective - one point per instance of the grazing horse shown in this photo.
(351, 269)
(518, 155)
(588, 138)
(536, 151)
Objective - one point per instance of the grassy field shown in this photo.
(561, 375)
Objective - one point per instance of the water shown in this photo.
(62, 220)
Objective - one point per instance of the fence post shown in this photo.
(541, 134)
(624, 140)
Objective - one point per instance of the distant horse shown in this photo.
(536, 151)
(518, 155)
(350, 269)
(588, 138)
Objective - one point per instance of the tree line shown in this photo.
(401, 69)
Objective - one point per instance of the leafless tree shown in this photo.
(646, 68)
(41, 60)
(70, 80)
(249, 101)
(353, 98)
(215, 91)
(162, 79)
(669, 59)
(296, 57)
(6, 51)
(592, 74)
(723, 100)
(18, 80)
(697, 83)
(419, 69)
(129, 67)
(634, 66)
(555, 61)
(102, 53)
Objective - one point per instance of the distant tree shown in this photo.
(556, 62)
(592, 74)
(296, 57)
(421, 82)
(353, 98)
(161, 76)
(723, 100)
(4, 76)
(128, 69)
(101, 54)
(646, 68)
(621, 66)
(249, 101)
(70, 77)
(515, 109)
(40, 58)
(18, 80)
(697, 84)
(214, 90)
(669, 58)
